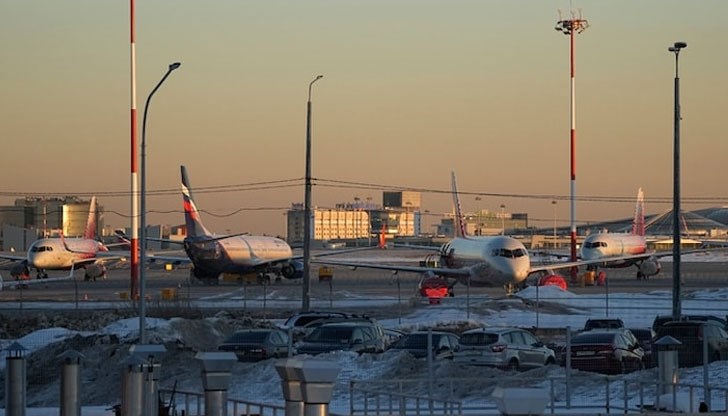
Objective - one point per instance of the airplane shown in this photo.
(213, 255)
(65, 254)
(617, 250)
(474, 260)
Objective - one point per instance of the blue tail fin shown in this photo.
(192, 215)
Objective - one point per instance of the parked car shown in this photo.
(257, 344)
(692, 335)
(609, 351)
(358, 336)
(646, 337)
(600, 323)
(444, 344)
(710, 319)
(302, 318)
(510, 348)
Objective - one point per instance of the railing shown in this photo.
(615, 396)
(193, 404)
(364, 401)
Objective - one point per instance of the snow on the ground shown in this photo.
(259, 382)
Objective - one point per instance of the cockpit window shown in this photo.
(595, 244)
(41, 248)
(509, 254)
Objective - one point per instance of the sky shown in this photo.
(259, 382)
(411, 91)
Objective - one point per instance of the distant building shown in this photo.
(485, 222)
(45, 217)
(359, 219)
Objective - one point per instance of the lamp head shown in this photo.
(677, 46)
(174, 66)
(318, 77)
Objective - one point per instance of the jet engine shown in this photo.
(94, 271)
(20, 271)
(292, 270)
(647, 268)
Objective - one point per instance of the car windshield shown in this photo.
(479, 338)
(240, 337)
(598, 338)
(330, 334)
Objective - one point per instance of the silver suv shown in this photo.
(508, 348)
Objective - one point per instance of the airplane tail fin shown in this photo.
(90, 231)
(459, 224)
(192, 215)
(638, 225)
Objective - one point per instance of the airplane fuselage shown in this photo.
(492, 260)
(604, 246)
(239, 254)
(62, 254)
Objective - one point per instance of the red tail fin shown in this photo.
(90, 231)
(638, 225)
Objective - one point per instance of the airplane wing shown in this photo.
(13, 258)
(5, 284)
(607, 260)
(440, 271)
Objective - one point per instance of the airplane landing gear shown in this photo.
(42, 274)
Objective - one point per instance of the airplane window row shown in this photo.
(510, 254)
(595, 244)
(41, 248)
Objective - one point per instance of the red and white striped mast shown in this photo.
(571, 27)
(134, 290)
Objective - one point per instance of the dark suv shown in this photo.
(710, 319)
(357, 336)
(691, 334)
(609, 351)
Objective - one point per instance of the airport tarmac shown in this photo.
(360, 284)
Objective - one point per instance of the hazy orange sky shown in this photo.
(411, 91)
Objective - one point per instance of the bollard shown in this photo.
(317, 385)
(15, 381)
(132, 386)
(291, 385)
(668, 364)
(71, 383)
(152, 353)
(215, 380)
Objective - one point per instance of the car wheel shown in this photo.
(550, 361)
(622, 367)
(513, 365)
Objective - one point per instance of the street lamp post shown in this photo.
(554, 242)
(676, 48)
(143, 231)
(306, 301)
(357, 220)
(369, 219)
(503, 219)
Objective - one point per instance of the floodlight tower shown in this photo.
(571, 27)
